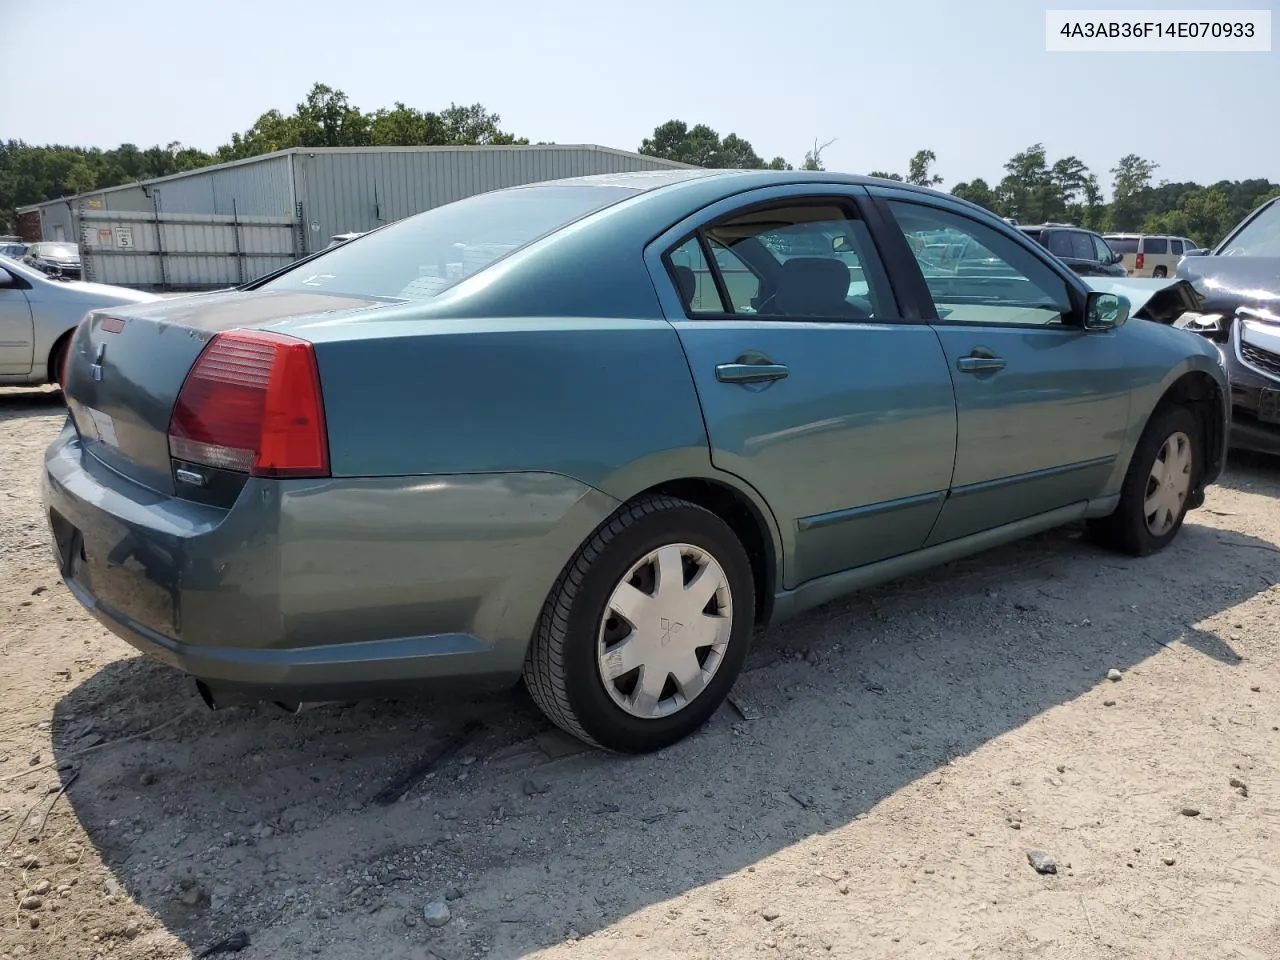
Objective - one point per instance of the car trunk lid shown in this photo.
(127, 365)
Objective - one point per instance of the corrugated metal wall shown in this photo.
(359, 190)
(259, 189)
(178, 251)
(341, 190)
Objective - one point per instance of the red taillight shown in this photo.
(1137, 262)
(252, 404)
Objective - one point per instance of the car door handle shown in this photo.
(751, 372)
(979, 364)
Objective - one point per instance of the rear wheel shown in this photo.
(57, 359)
(1159, 272)
(646, 629)
(1157, 490)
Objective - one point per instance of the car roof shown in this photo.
(645, 180)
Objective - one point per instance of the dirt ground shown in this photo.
(895, 758)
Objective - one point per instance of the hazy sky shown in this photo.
(970, 80)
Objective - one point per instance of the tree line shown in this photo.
(326, 118)
(1033, 188)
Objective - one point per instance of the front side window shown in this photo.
(423, 255)
(1014, 286)
(1102, 253)
(795, 260)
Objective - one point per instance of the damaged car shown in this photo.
(1238, 288)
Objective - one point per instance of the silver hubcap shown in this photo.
(1168, 484)
(665, 631)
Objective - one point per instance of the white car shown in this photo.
(37, 316)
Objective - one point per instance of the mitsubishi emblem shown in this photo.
(97, 362)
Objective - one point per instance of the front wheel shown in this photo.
(646, 628)
(1157, 490)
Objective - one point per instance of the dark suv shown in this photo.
(1083, 251)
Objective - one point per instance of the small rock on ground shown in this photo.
(1042, 862)
(771, 913)
(436, 913)
(1114, 675)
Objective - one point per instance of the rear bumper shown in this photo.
(320, 589)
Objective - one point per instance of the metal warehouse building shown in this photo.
(228, 223)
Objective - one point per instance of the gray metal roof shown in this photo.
(318, 151)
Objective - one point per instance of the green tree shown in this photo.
(702, 146)
(976, 191)
(882, 175)
(1131, 192)
(1028, 190)
(918, 169)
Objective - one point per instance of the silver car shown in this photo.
(37, 316)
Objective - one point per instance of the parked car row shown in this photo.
(640, 462)
(1238, 286)
(38, 314)
(54, 258)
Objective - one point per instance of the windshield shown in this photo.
(422, 255)
(1261, 238)
(64, 251)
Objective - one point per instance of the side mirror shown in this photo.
(1196, 252)
(1105, 311)
(1116, 258)
(840, 243)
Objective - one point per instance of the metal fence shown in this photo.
(182, 251)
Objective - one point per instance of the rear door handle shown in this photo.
(751, 372)
(979, 364)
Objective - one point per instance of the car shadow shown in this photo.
(18, 403)
(252, 819)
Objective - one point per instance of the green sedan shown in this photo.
(592, 433)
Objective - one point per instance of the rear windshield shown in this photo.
(1155, 245)
(422, 255)
(1123, 245)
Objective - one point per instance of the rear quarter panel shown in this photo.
(584, 399)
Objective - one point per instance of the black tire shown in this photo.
(56, 359)
(561, 669)
(1126, 529)
(1159, 273)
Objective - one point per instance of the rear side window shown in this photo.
(1036, 235)
(1175, 247)
(1060, 243)
(1123, 245)
(694, 280)
(1082, 246)
(420, 256)
(797, 259)
(1155, 245)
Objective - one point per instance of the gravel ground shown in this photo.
(900, 769)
